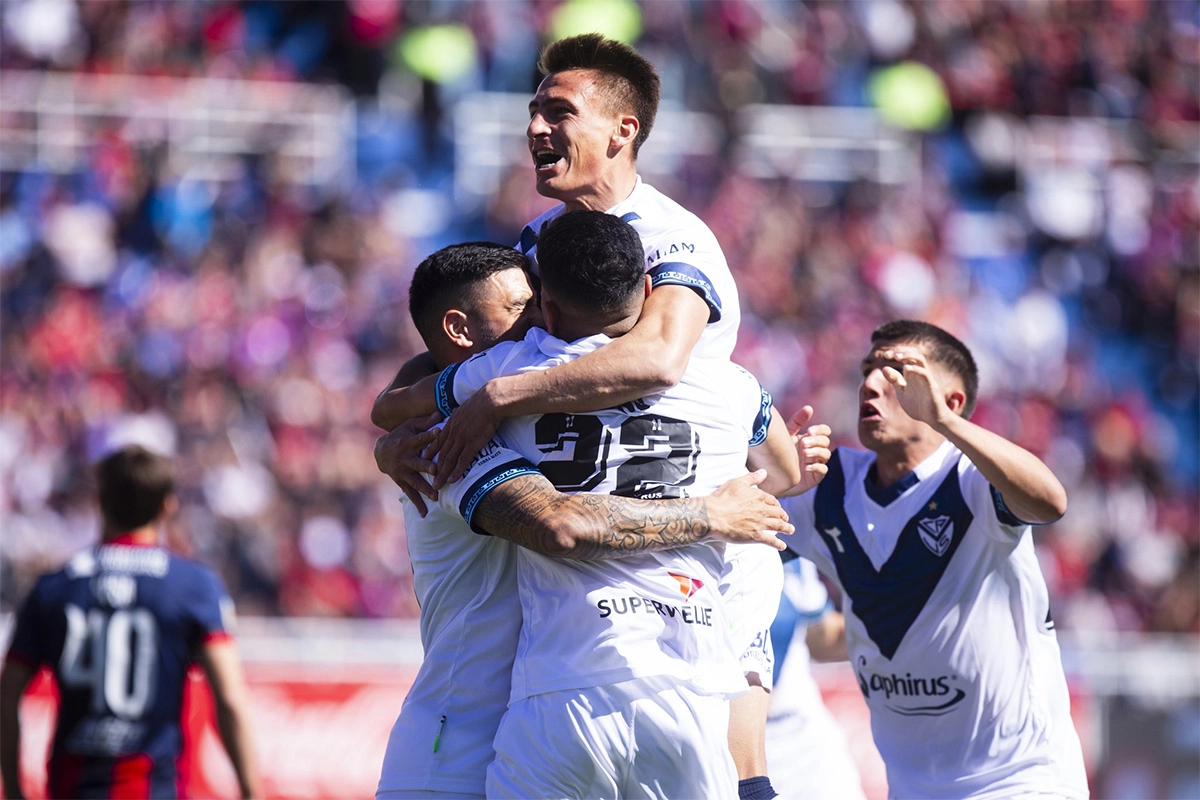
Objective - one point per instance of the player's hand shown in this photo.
(398, 455)
(741, 513)
(916, 387)
(813, 448)
(465, 433)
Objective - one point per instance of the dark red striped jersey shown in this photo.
(119, 626)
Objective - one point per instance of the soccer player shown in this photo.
(641, 638)
(119, 626)
(462, 299)
(806, 748)
(591, 114)
(947, 613)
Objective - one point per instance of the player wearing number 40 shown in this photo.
(119, 626)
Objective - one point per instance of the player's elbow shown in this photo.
(1056, 505)
(557, 539)
(379, 416)
(661, 374)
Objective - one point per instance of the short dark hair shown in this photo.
(941, 348)
(592, 261)
(133, 484)
(628, 83)
(453, 277)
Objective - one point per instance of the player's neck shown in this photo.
(606, 192)
(146, 536)
(892, 464)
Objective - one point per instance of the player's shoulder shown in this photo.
(533, 228)
(853, 461)
(654, 215)
(188, 572)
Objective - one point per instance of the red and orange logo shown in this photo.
(688, 585)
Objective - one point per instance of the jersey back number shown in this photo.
(656, 457)
(112, 653)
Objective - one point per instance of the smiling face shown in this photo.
(581, 146)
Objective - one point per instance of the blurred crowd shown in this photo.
(245, 325)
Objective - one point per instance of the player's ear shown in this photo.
(956, 400)
(551, 314)
(624, 133)
(170, 506)
(457, 328)
(649, 286)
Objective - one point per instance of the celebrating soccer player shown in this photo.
(630, 655)
(947, 613)
(590, 115)
(463, 299)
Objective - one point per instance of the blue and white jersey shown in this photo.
(119, 626)
(680, 250)
(949, 629)
(652, 614)
(470, 621)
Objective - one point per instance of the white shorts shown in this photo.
(751, 586)
(642, 738)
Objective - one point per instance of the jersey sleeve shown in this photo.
(28, 646)
(800, 513)
(985, 498)
(208, 606)
(749, 402)
(492, 466)
(459, 381)
(690, 259)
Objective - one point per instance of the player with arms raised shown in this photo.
(591, 114)
(947, 613)
(624, 664)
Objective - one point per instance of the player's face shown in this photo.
(507, 309)
(569, 135)
(882, 422)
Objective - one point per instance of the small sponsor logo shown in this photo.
(936, 534)
(688, 585)
(910, 695)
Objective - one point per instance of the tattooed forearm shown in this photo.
(530, 512)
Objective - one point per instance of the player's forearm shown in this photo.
(10, 752)
(234, 727)
(620, 372)
(650, 358)
(12, 685)
(826, 639)
(1028, 487)
(398, 404)
(588, 526)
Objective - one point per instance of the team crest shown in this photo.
(936, 534)
(688, 586)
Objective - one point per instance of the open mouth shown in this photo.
(867, 411)
(545, 158)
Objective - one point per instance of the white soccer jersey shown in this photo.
(948, 626)
(680, 250)
(807, 754)
(470, 622)
(598, 623)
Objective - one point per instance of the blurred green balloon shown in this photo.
(438, 53)
(615, 19)
(910, 95)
